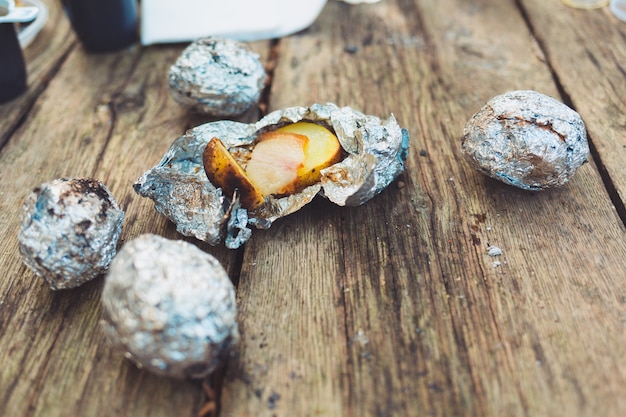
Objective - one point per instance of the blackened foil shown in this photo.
(69, 231)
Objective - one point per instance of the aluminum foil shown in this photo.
(219, 77)
(170, 306)
(375, 154)
(526, 139)
(69, 231)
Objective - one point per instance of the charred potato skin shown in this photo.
(224, 172)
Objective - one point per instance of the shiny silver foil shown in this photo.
(219, 77)
(375, 154)
(170, 306)
(69, 231)
(526, 139)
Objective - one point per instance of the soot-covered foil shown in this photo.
(526, 139)
(69, 233)
(170, 306)
(219, 77)
(375, 155)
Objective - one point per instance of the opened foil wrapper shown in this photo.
(375, 151)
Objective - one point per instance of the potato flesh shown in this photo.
(275, 161)
(321, 151)
(282, 162)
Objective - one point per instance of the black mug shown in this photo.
(103, 25)
(12, 65)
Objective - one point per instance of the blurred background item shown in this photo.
(12, 64)
(29, 31)
(586, 4)
(103, 26)
(618, 7)
(164, 21)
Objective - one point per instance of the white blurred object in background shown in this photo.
(360, 1)
(9, 13)
(28, 32)
(164, 21)
(586, 4)
(618, 7)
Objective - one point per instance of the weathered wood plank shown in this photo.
(406, 313)
(392, 308)
(109, 116)
(43, 57)
(59, 362)
(587, 50)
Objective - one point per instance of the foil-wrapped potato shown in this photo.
(526, 139)
(218, 77)
(370, 156)
(170, 306)
(69, 232)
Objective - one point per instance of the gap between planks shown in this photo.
(33, 96)
(609, 184)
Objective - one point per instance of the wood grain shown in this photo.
(391, 308)
(43, 57)
(61, 362)
(108, 116)
(417, 319)
(588, 57)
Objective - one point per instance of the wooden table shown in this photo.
(393, 308)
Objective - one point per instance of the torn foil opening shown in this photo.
(375, 150)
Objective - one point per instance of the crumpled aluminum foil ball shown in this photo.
(375, 154)
(218, 77)
(170, 306)
(526, 139)
(69, 231)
